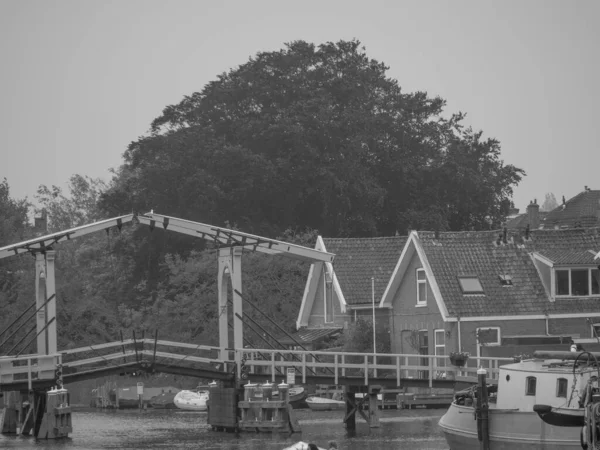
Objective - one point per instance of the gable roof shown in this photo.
(521, 221)
(580, 211)
(450, 255)
(570, 246)
(359, 259)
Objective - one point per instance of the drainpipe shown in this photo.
(547, 327)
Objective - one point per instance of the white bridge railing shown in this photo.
(275, 363)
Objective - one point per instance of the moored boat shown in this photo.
(324, 404)
(555, 385)
(191, 400)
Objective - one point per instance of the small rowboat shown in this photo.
(324, 404)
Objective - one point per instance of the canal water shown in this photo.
(414, 429)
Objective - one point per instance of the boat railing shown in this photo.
(275, 363)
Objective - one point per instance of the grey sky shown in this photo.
(81, 79)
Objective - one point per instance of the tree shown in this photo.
(16, 272)
(550, 202)
(315, 137)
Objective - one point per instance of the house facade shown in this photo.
(489, 293)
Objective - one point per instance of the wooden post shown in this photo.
(350, 419)
(374, 413)
(483, 432)
(9, 419)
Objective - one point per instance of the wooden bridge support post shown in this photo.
(230, 269)
(374, 413)
(40, 295)
(9, 419)
(51, 307)
(350, 418)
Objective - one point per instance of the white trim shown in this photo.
(304, 297)
(570, 294)
(320, 245)
(543, 259)
(524, 317)
(400, 269)
(365, 306)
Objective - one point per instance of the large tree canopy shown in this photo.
(315, 137)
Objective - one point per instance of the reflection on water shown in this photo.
(173, 429)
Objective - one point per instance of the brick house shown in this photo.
(490, 293)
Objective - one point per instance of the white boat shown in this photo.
(324, 404)
(556, 384)
(191, 400)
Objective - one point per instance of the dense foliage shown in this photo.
(301, 139)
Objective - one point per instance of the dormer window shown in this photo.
(421, 287)
(577, 282)
(470, 284)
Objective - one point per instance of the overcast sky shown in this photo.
(81, 79)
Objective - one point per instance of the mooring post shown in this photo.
(350, 419)
(373, 406)
(483, 432)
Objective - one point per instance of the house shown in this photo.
(336, 294)
(581, 211)
(489, 293)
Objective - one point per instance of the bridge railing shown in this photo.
(28, 368)
(366, 366)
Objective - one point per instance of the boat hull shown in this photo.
(191, 401)
(325, 404)
(509, 430)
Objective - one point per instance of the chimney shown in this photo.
(533, 214)
(39, 221)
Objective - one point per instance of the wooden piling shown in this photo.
(9, 419)
(350, 418)
(374, 413)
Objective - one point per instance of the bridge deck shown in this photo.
(310, 367)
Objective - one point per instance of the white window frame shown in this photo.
(421, 302)
(487, 344)
(570, 294)
(437, 345)
(592, 326)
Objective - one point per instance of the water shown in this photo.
(414, 429)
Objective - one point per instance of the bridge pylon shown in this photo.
(230, 274)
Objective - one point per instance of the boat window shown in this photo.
(530, 383)
(561, 387)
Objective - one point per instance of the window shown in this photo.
(470, 285)
(530, 383)
(421, 287)
(561, 387)
(424, 350)
(489, 336)
(440, 347)
(577, 282)
(505, 280)
(595, 330)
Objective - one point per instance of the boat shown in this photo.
(538, 403)
(296, 397)
(191, 400)
(324, 404)
(164, 400)
(301, 446)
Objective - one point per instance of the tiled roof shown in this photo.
(359, 259)
(309, 336)
(568, 246)
(582, 210)
(476, 253)
(522, 220)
